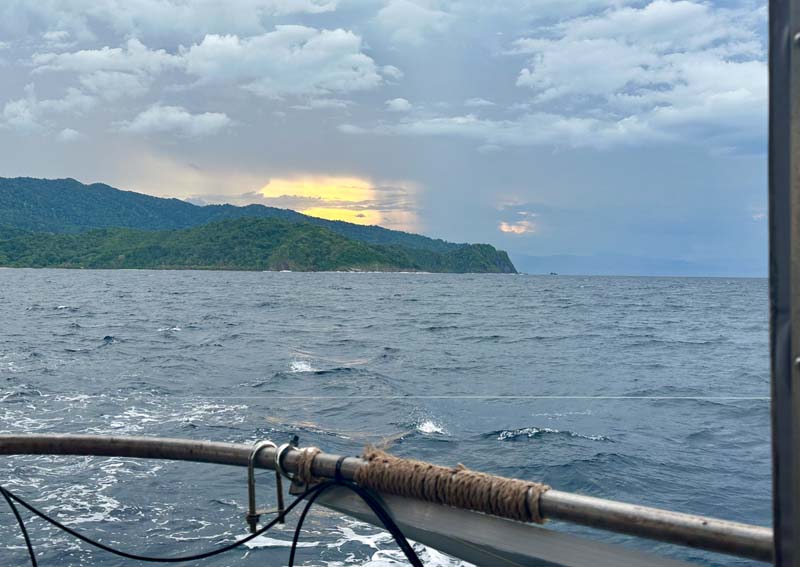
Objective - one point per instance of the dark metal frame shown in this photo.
(784, 274)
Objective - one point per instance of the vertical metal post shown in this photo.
(784, 272)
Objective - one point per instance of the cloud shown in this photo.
(679, 68)
(322, 103)
(187, 20)
(175, 119)
(23, 115)
(113, 85)
(58, 39)
(519, 227)
(411, 22)
(533, 129)
(674, 72)
(69, 135)
(478, 102)
(290, 60)
(29, 114)
(111, 72)
(392, 72)
(134, 57)
(351, 129)
(398, 105)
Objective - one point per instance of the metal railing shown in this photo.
(743, 540)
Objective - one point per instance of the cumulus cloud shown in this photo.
(134, 57)
(412, 21)
(113, 85)
(111, 72)
(398, 105)
(669, 66)
(187, 20)
(289, 60)
(663, 71)
(30, 114)
(177, 120)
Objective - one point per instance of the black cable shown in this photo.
(147, 558)
(22, 527)
(376, 508)
(312, 493)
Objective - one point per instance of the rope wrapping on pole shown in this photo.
(459, 486)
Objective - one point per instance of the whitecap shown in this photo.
(536, 432)
(264, 541)
(430, 427)
(301, 366)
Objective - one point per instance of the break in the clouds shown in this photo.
(632, 127)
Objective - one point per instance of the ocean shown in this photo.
(647, 390)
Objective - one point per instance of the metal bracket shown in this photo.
(254, 515)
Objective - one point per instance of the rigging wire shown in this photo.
(312, 494)
(376, 508)
(22, 527)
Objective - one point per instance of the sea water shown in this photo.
(647, 390)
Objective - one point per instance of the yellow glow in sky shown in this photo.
(347, 215)
(312, 192)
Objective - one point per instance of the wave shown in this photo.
(301, 366)
(430, 427)
(540, 432)
(265, 541)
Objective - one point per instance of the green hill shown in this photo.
(237, 244)
(66, 205)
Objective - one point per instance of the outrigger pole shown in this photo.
(784, 274)
(475, 537)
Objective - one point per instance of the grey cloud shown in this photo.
(633, 151)
(178, 120)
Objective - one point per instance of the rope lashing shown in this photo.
(304, 464)
(458, 487)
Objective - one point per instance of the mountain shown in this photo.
(64, 223)
(238, 244)
(66, 205)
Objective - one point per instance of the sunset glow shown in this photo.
(347, 215)
(335, 198)
(350, 189)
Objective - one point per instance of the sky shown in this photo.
(590, 136)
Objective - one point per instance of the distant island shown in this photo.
(62, 223)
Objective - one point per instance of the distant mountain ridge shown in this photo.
(64, 223)
(67, 205)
